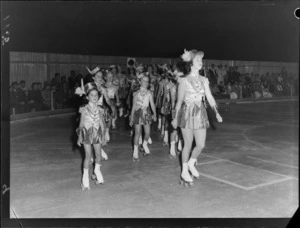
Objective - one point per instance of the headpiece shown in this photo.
(187, 56)
(94, 71)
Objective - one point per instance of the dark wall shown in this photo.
(262, 31)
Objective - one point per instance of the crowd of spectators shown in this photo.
(57, 93)
(226, 83)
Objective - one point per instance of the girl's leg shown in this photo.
(200, 136)
(172, 142)
(137, 132)
(99, 177)
(86, 163)
(188, 138)
(146, 138)
(166, 132)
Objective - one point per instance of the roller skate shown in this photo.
(179, 147)
(146, 149)
(97, 177)
(135, 156)
(85, 185)
(192, 169)
(186, 179)
(149, 141)
(172, 154)
(104, 155)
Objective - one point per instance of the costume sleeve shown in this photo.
(81, 109)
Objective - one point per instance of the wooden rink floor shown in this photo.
(249, 168)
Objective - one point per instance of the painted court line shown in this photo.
(225, 181)
(210, 162)
(267, 171)
(270, 183)
(273, 162)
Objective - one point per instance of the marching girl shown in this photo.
(90, 133)
(166, 108)
(190, 113)
(122, 90)
(107, 109)
(113, 95)
(159, 100)
(171, 114)
(141, 115)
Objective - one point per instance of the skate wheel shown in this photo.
(172, 156)
(97, 182)
(135, 159)
(105, 159)
(93, 177)
(84, 188)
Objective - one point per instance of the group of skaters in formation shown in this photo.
(178, 101)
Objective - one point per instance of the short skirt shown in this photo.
(142, 116)
(89, 136)
(192, 116)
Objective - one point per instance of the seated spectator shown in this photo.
(63, 96)
(46, 94)
(223, 91)
(14, 102)
(212, 75)
(265, 90)
(256, 89)
(246, 91)
(279, 85)
(35, 99)
(39, 86)
(236, 89)
(56, 81)
(231, 93)
(23, 87)
(220, 73)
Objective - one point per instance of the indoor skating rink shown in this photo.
(248, 169)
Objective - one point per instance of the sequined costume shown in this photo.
(192, 114)
(142, 113)
(91, 124)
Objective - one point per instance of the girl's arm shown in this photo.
(180, 97)
(152, 106)
(211, 100)
(173, 96)
(209, 96)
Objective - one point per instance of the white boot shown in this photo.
(179, 145)
(85, 180)
(162, 131)
(159, 123)
(146, 148)
(166, 138)
(185, 173)
(103, 154)
(150, 140)
(135, 155)
(121, 112)
(107, 137)
(99, 177)
(114, 124)
(192, 169)
(172, 149)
